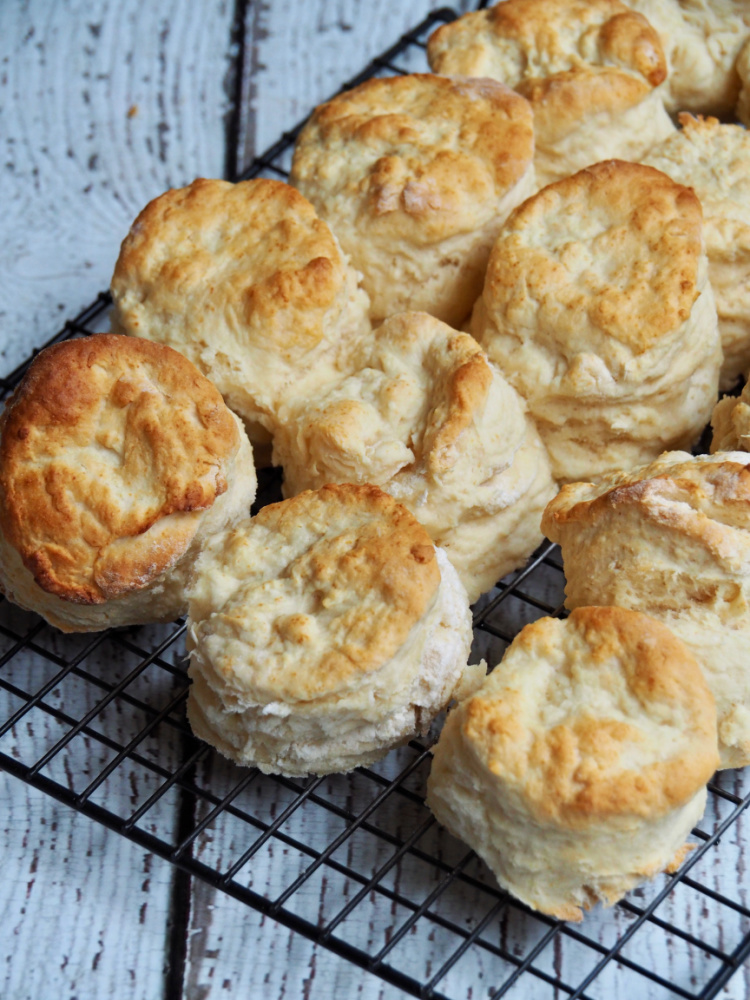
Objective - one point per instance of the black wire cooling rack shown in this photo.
(98, 723)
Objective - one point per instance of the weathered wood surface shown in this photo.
(103, 105)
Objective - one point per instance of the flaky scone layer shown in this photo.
(597, 309)
(712, 158)
(672, 539)
(415, 174)
(249, 284)
(116, 458)
(324, 632)
(433, 423)
(578, 769)
(702, 40)
(589, 70)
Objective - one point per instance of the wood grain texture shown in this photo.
(83, 911)
(105, 105)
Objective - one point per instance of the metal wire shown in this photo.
(398, 871)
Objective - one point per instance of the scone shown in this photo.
(588, 67)
(672, 539)
(730, 423)
(415, 175)
(118, 459)
(598, 310)
(247, 282)
(579, 767)
(713, 159)
(433, 423)
(702, 40)
(742, 65)
(323, 632)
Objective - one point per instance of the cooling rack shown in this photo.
(354, 862)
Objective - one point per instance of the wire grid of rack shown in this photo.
(365, 870)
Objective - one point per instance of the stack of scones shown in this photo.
(495, 302)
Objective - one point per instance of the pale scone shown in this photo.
(118, 459)
(702, 40)
(672, 539)
(598, 310)
(579, 767)
(433, 423)
(730, 423)
(247, 282)
(415, 175)
(323, 632)
(588, 67)
(713, 159)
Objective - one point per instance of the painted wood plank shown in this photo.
(104, 105)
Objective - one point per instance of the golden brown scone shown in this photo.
(117, 460)
(579, 767)
(597, 309)
(713, 159)
(247, 282)
(433, 423)
(702, 40)
(323, 632)
(588, 67)
(672, 539)
(415, 175)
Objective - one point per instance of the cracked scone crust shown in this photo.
(712, 158)
(703, 40)
(597, 309)
(589, 70)
(578, 769)
(672, 539)
(433, 423)
(116, 456)
(415, 175)
(247, 282)
(324, 632)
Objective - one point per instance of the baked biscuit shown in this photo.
(324, 632)
(579, 767)
(588, 67)
(117, 460)
(433, 423)
(597, 309)
(730, 423)
(415, 175)
(712, 159)
(247, 282)
(702, 40)
(672, 539)
(742, 65)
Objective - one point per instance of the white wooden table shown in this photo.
(103, 105)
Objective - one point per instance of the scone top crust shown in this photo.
(312, 594)
(703, 499)
(425, 385)
(253, 251)
(605, 262)
(604, 715)
(712, 158)
(570, 58)
(423, 157)
(107, 448)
